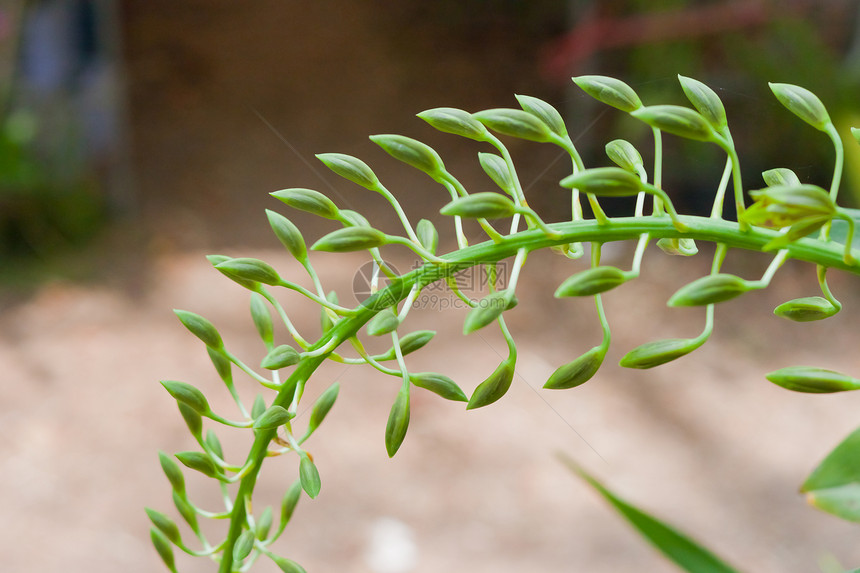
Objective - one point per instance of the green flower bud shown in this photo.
(264, 524)
(495, 386)
(545, 112)
(165, 550)
(350, 239)
(783, 205)
(591, 281)
(309, 475)
(173, 473)
(192, 419)
(624, 155)
(289, 502)
(456, 121)
(802, 103)
(806, 309)
(659, 352)
(677, 120)
(214, 443)
(286, 565)
(165, 525)
(322, 406)
(398, 421)
(781, 176)
(498, 170)
(274, 417)
(604, 182)
(610, 91)
(384, 322)
(488, 309)
(186, 511)
(262, 318)
(578, 371)
(353, 218)
(280, 356)
(410, 343)
(486, 205)
(187, 394)
(683, 247)
(309, 201)
(813, 380)
(200, 462)
(248, 269)
(709, 289)
(222, 364)
(438, 384)
(515, 123)
(243, 546)
(706, 101)
(351, 168)
(289, 235)
(218, 259)
(258, 407)
(411, 152)
(200, 327)
(427, 235)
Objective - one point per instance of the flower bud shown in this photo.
(286, 565)
(428, 236)
(289, 235)
(258, 407)
(624, 155)
(486, 205)
(172, 471)
(192, 419)
(200, 462)
(456, 121)
(813, 380)
(706, 102)
(164, 549)
(709, 289)
(604, 182)
(350, 239)
(802, 103)
(262, 318)
(498, 170)
(591, 281)
(411, 152)
(322, 406)
(289, 502)
(410, 343)
(780, 176)
(200, 327)
(264, 524)
(677, 120)
(806, 309)
(352, 218)
(515, 123)
(248, 269)
(309, 475)
(274, 417)
(545, 112)
(279, 357)
(243, 546)
(495, 386)
(438, 384)
(188, 395)
(488, 309)
(578, 371)
(351, 168)
(309, 201)
(659, 352)
(384, 322)
(610, 91)
(398, 421)
(165, 525)
(682, 247)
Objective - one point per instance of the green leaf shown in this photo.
(200, 462)
(813, 380)
(486, 205)
(659, 352)
(604, 182)
(840, 467)
(591, 281)
(248, 269)
(262, 318)
(498, 170)
(309, 201)
(802, 103)
(438, 384)
(842, 501)
(411, 152)
(279, 357)
(495, 386)
(165, 525)
(427, 235)
(192, 419)
(709, 289)
(264, 524)
(165, 550)
(610, 91)
(186, 511)
(578, 371)
(243, 546)
(274, 417)
(515, 123)
(218, 259)
(706, 102)
(677, 547)
(188, 395)
(488, 309)
(677, 120)
(200, 327)
(173, 472)
(353, 218)
(222, 364)
(398, 421)
(385, 322)
(350, 239)
(780, 176)
(289, 503)
(289, 235)
(624, 155)
(214, 443)
(545, 112)
(309, 475)
(410, 343)
(322, 406)
(350, 168)
(456, 121)
(286, 565)
(258, 407)
(806, 309)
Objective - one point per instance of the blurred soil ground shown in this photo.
(705, 442)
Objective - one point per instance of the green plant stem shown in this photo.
(840, 160)
(719, 199)
(658, 168)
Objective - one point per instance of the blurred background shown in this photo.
(137, 137)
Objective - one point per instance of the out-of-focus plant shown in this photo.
(787, 218)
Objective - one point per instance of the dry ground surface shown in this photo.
(705, 442)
